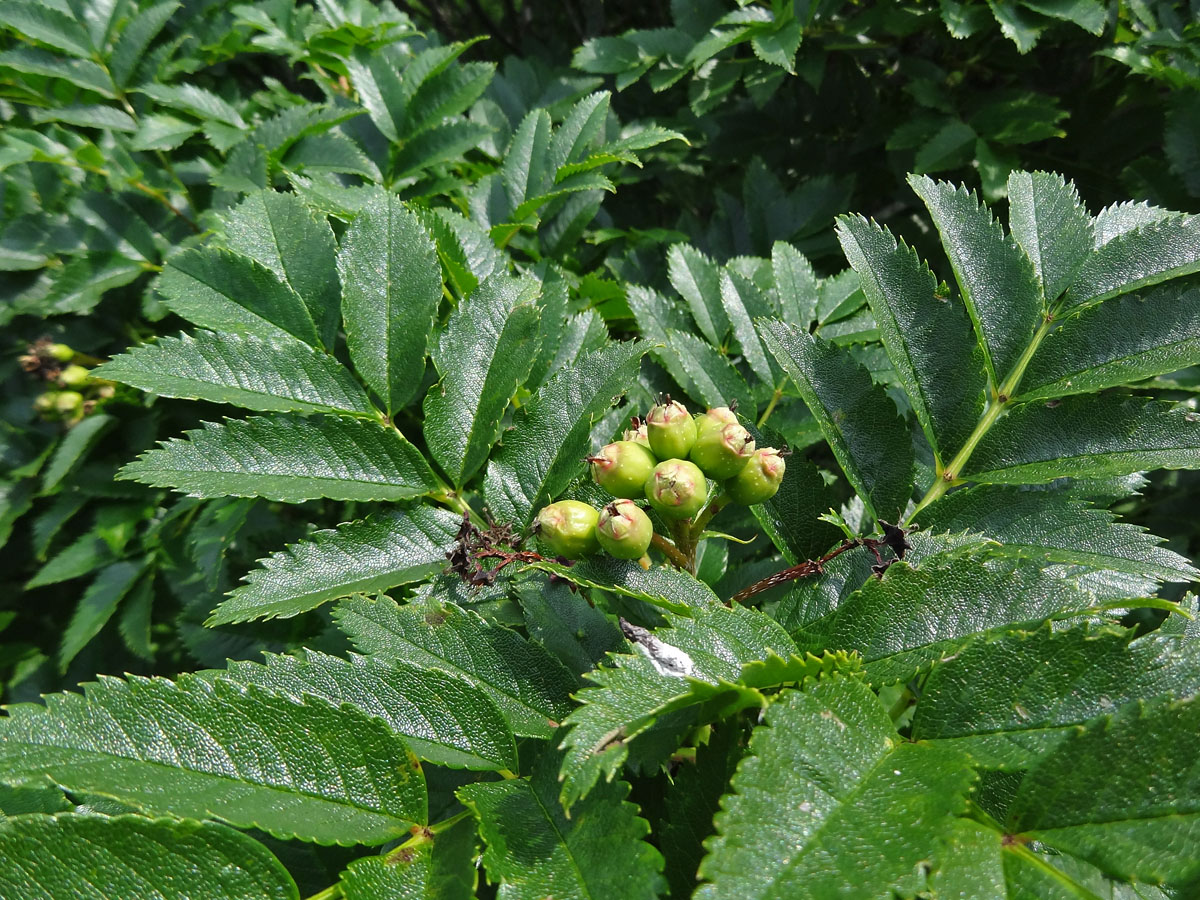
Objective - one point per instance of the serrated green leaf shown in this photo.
(1009, 699)
(97, 605)
(228, 292)
(737, 299)
(928, 338)
(484, 354)
(442, 717)
(796, 284)
(195, 100)
(580, 129)
(626, 697)
(383, 551)
(544, 449)
(161, 132)
(331, 151)
(73, 447)
(391, 290)
(218, 750)
(85, 554)
(1086, 436)
(1120, 218)
(135, 37)
(858, 419)
(577, 633)
(467, 252)
(716, 382)
(278, 231)
(662, 586)
(698, 280)
(81, 72)
(527, 683)
(440, 868)
(448, 93)
(995, 277)
(1146, 255)
(437, 145)
(1139, 820)
(278, 374)
(377, 82)
(1051, 225)
(1057, 527)
(534, 851)
(526, 171)
(287, 458)
(42, 22)
(88, 115)
(911, 617)
(1118, 342)
(132, 856)
(830, 796)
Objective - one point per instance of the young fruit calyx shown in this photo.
(622, 467)
(677, 489)
(759, 479)
(723, 453)
(624, 530)
(671, 429)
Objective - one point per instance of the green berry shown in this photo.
(568, 528)
(624, 530)
(759, 480)
(671, 430)
(637, 433)
(723, 453)
(73, 376)
(45, 403)
(622, 467)
(68, 402)
(714, 420)
(61, 352)
(677, 489)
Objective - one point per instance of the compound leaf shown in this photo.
(214, 749)
(289, 459)
(486, 351)
(443, 718)
(382, 551)
(829, 795)
(1051, 225)
(857, 417)
(529, 685)
(101, 858)
(534, 851)
(544, 449)
(391, 290)
(1146, 255)
(928, 338)
(268, 374)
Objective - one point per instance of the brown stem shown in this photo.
(803, 570)
(717, 504)
(670, 551)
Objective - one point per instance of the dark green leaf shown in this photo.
(1010, 698)
(129, 856)
(195, 100)
(97, 606)
(80, 72)
(1056, 527)
(383, 551)
(485, 352)
(74, 446)
(42, 22)
(1138, 820)
(162, 132)
(928, 338)
(227, 292)
(995, 277)
(796, 285)
(201, 749)
(443, 718)
(738, 296)
(534, 851)
(276, 374)
(857, 417)
(911, 617)
(830, 796)
(660, 585)
(1051, 225)
(544, 449)
(529, 685)
(391, 289)
(442, 868)
(279, 231)
(135, 37)
(1086, 437)
(1118, 342)
(698, 281)
(1146, 255)
(289, 459)
(716, 382)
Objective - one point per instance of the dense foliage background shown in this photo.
(639, 171)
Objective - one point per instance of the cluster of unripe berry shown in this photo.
(666, 460)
